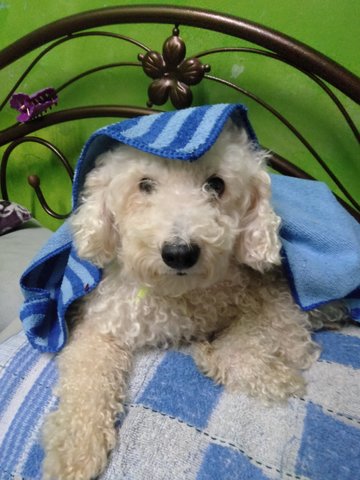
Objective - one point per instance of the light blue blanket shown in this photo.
(179, 425)
(321, 241)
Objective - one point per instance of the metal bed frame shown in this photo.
(172, 76)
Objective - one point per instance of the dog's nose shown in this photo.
(180, 255)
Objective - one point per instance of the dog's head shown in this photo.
(175, 225)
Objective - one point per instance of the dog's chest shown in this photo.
(164, 320)
(140, 317)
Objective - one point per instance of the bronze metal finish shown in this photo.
(173, 75)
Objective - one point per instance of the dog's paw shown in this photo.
(75, 449)
(276, 382)
(266, 377)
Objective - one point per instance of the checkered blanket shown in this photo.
(179, 425)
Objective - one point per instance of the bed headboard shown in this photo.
(172, 77)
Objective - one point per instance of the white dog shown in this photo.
(190, 253)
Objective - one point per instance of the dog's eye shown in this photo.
(214, 185)
(147, 185)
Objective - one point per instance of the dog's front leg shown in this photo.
(261, 356)
(92, 382)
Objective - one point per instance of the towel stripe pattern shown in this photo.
(179, 135)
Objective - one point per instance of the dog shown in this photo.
(190, 254)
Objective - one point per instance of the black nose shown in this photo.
(180, 255)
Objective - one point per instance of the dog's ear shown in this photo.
(94, 232)
(258, 244)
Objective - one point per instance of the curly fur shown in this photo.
(233, 304)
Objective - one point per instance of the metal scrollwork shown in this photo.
(34, 180)
(172, 73)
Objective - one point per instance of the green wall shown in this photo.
(330, 26)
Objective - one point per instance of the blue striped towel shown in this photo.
(179, 425)
(321, 242)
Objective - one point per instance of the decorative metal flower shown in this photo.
(172, 73)
(34, 105)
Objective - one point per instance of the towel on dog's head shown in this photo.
(182, 135)
(321, 241)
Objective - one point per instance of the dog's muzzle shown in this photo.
(180, 255)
